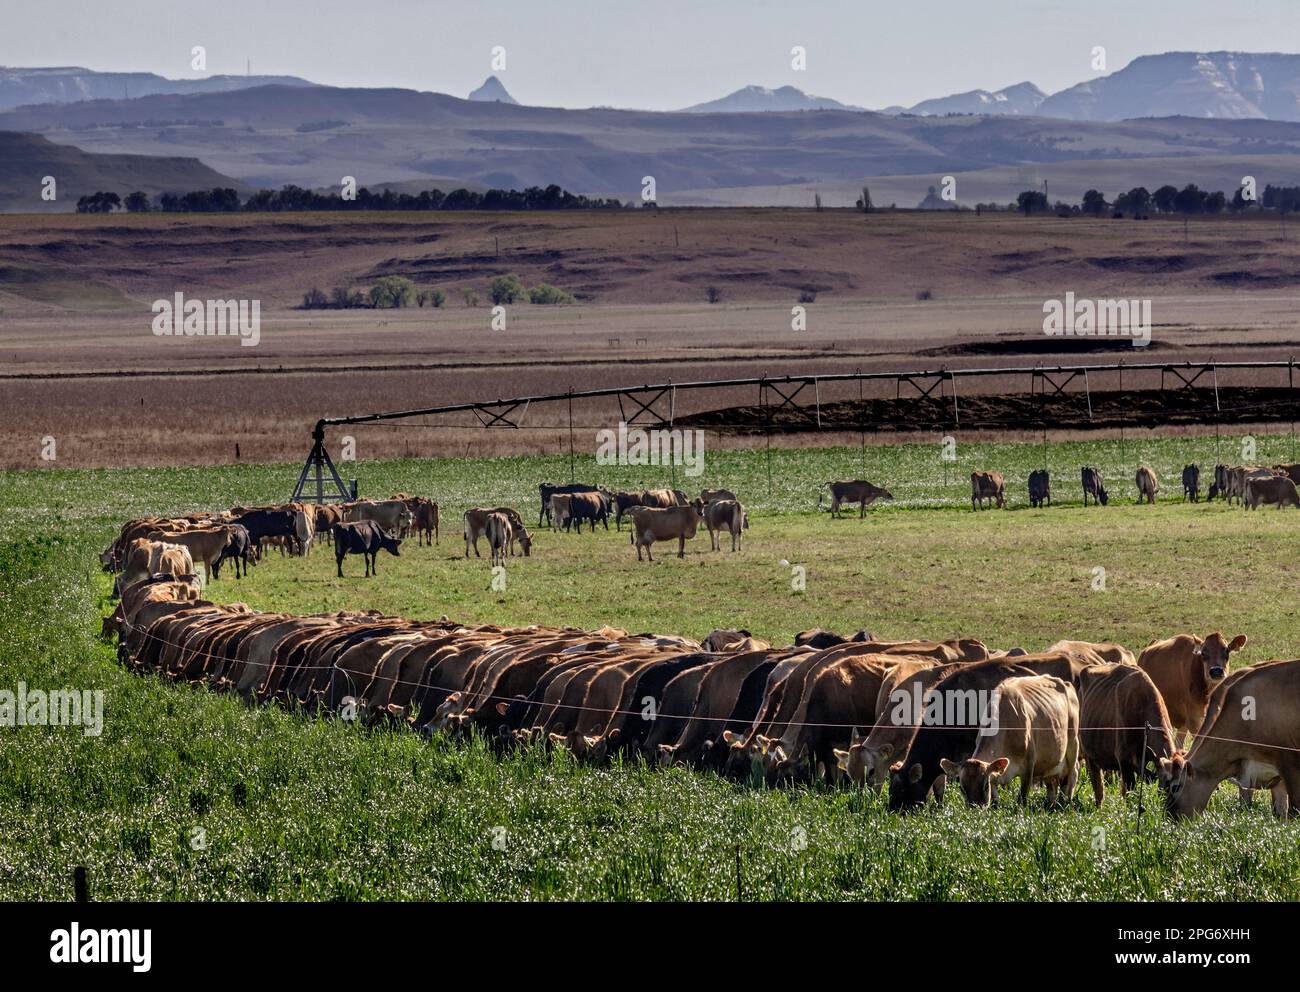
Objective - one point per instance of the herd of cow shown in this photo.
(151, 545)
(1250, 485)
(906, 715)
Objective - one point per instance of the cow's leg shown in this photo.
(1098, 783)
(1282, 803)
(862, 509)
(338, 560)
(681, 547)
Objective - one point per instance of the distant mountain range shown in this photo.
(1203, 117)
(312, 136)
(755, 99)
(1221, 85)
(1230, 85)
(68, 84)
(1021, 99)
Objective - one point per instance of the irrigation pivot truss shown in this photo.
(656, 405)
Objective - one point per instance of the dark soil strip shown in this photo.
(1111, 409)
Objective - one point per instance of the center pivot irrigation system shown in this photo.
(656, 405)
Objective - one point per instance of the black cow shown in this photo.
(1219, 487)
(1192, 483)
(591, 507)
(365, 538)
(262, 524)
(549, 489)
(1040, 487)
(238, 548)
(1092, 487)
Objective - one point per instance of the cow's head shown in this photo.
(976, 778)
(908, 785)
(1213, 654)
(526, 542)
(698, 504)
(783, 768)
(390, 544)
(884, 494)
(867, 765)
(1103, 495)
(1186, 792)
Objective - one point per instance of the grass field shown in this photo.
(188, 794)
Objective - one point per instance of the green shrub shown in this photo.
(506, 289)
(392, 291)
(545, 293)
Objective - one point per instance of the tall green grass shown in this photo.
(189, 794)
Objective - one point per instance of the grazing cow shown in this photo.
(1290, 470)
(393, 515)
(1115, 654)
(574, 508)
(145, 558)
(1186, 669)
(1252, 736)
(365, 538)
(549, 489)
(1124, 726)
(205, 544)
(899, 707)
(986, 485)
(327, 515)
(674, 522)
(720, 641)
(1036, 740)
(840, 697)
(1219, 487)
(304, 528)
(1277, 491)
(725, 514)
(499, 535)
(262, 523)
(239, 548)
(622, 503)
(1240, 476)
(1092, 486)
(476, 527)
(1192, 483)
(426, 521)
(709, 495)
(1040, 487)
(951, 734)
(856, 491)
(1147, 486)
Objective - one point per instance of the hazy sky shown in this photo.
(657, 54)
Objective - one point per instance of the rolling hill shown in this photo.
(25, 159)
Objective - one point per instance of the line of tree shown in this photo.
(1140, 202)
(294, 198)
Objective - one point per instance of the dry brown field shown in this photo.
(893, 291)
